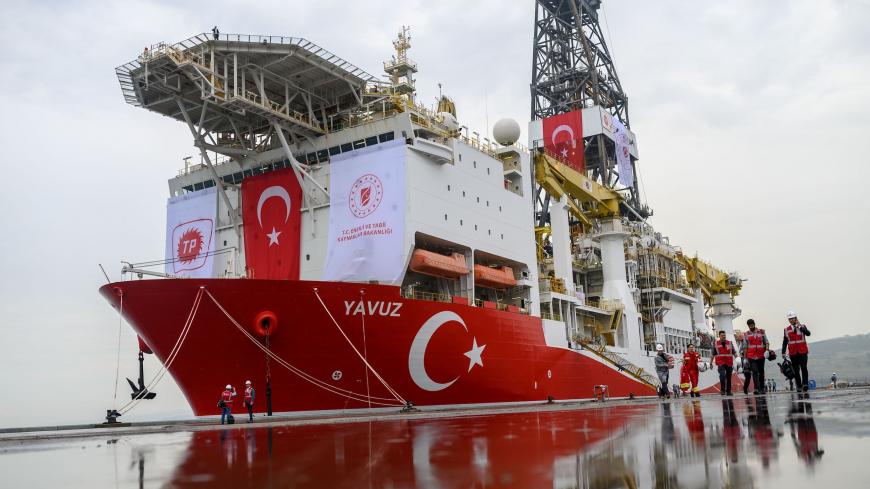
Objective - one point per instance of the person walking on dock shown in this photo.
(724, 359)
(794, 340)
(249, 400)
(664, 363)
(754, 347)
(690, 363)
(226, 403)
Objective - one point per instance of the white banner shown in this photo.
(367, 215)
(623, 153)
(190, 226)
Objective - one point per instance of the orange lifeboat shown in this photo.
(438, 265)
(495, 278)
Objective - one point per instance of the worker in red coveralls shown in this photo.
(226, 402)
(690, 370)
(249, 400)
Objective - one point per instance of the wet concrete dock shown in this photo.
(777, 440)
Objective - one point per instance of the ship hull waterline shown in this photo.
(428, 353)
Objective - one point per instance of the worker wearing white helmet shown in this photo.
(249, 400)
(794, 340)
(226, 404)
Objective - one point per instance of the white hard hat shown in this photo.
(229, 386)
(247, 382)
(791, 314)
(659, 347)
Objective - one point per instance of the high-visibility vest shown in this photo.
(797, 342)
(227, 397)
(249, 395)
(754, 345)
(724, 353)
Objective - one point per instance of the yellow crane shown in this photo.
(708, 278)
(587, 199)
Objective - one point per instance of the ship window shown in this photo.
(359, 143)
(225, 242)
(487, 203)
(448, 188)
(478, 200)
(387, 136)
(463, 193)
(475, 227)
(487, 171)
(372, 141)
(227, 178)
(460, 222)
(237, 177)
(489, 232)
(311, 157)
(499, 208)
(209, 183)
(307, 257)
(188, 188)
(247, 173)
(475, 164)
(445, 217)
(502, 236)
(322, 155)
(460, 156)
(334, 150)
(197, 186)
(346, 147)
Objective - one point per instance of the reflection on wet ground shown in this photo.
(781, 440)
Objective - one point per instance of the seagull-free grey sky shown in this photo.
(752, 123)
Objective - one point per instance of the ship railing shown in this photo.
(617, 360)
(551, 316)
(426, 296)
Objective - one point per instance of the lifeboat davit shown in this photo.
(495, 278)
(438, 265)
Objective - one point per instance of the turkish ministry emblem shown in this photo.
(365, 196)
(192, 242)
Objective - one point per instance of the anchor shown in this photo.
(140, 392)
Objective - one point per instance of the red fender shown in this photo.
(265, 324)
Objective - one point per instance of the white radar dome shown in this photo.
(506, 131)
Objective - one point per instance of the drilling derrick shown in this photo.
(572, 69)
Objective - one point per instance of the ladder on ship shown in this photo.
(621, 363)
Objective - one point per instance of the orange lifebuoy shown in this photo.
(265, 323)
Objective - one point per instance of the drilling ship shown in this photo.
(350, 248)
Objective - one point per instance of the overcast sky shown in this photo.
(752, 124)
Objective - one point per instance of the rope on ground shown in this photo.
(360, 355)
(299, 372)
(173, 354)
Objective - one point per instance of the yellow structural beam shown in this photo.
(587, 199)
(708, 278)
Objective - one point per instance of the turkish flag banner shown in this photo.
(563, 138)
(272, 216)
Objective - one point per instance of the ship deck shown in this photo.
(777, 440)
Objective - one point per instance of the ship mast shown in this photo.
(572, 69)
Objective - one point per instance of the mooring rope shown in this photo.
(301, 373)
(360, 355)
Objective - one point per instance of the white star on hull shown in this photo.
(474, 355)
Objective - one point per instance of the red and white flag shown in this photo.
(563, 137)
(190, 234)
(272, 215)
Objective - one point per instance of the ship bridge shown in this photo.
(237, 85)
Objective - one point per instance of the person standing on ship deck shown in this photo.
(794, 339)
(226, 402)
(249, 400)
(724, 359)
(754, 347)
(664, 363)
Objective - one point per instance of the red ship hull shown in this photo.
(429, 353)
